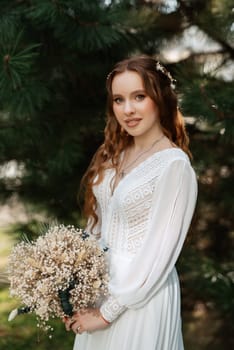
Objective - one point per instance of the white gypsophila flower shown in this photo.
(60, 260)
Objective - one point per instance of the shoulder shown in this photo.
(169, 157)
(170, 160)
(175, 161)
(172, 154)
(177, 168)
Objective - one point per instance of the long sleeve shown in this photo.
(173, 204)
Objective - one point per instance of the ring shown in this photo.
(77, 329)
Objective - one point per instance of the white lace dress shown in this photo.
(144, 223)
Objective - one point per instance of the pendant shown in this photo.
(122, 174)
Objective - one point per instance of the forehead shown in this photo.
(127, 82)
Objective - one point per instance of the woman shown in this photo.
(140, 197)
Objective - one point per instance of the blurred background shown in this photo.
(54, 59)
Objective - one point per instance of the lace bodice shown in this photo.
(144, 224)
(125, 213)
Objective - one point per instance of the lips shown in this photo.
(132, 122)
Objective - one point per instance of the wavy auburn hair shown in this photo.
(158, 85)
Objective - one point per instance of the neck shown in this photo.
(141, 144)
(133, 158)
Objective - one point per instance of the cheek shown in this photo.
(153, 109)
(150, 105)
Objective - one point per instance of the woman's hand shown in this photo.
(87, 320)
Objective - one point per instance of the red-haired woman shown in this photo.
(140, 197)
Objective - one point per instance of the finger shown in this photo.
(68, 323)
(67, 326)
(64, 319)
(77, 328)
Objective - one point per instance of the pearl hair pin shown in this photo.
(160, 68)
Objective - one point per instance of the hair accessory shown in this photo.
(160, 68)
(108, 75)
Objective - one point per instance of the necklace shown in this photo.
(123, 171)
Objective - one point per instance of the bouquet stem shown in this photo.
(64, 296)
(15, 312)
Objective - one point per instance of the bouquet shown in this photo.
(62, 271)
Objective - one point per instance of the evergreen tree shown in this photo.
(55, 56)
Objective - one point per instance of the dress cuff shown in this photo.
(111, 309)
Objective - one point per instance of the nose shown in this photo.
(129, 107)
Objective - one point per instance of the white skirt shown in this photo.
(156, 326)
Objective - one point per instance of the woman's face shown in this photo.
(135, 111)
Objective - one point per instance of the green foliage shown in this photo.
(89, 26)
(209, 281)
(54, 60)
(209, 98)
(23, 333)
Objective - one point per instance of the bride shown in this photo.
(140, 197)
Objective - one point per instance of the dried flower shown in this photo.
(65, 269)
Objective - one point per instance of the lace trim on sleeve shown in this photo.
(111, 309)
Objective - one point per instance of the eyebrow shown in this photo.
(132, 93)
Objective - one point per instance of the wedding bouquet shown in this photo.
(62, 271)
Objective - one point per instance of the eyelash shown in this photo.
(118, 100)
(138, 98)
